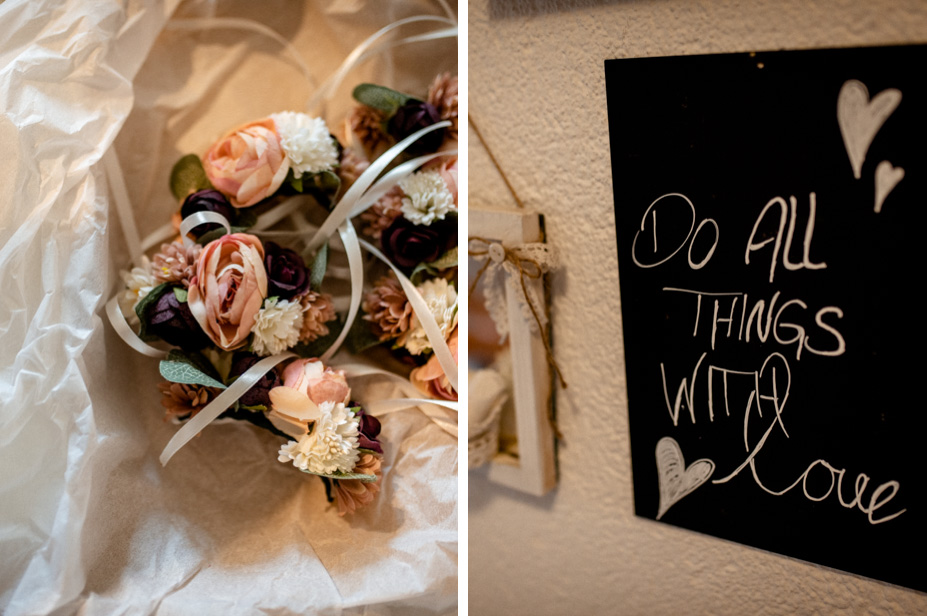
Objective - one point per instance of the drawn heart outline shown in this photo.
(677, 481)
(886, 178)
(860, 119)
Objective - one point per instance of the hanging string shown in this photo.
(495, 163)
(527, 268)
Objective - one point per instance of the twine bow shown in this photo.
(496, 255)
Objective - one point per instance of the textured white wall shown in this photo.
(537, 93)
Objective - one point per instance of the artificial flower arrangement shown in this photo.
(252, 334)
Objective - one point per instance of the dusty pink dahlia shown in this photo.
(176, 263)
(378, 217)
(183, 401)
(351, 168)
(367, 125)
(354, 494)
(317, 311)
(443, 95)
(388, 309)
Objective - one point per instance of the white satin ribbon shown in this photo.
(430, 325)
(325, 92)
(356, 265)
(440, 417)
(366, 179)
(196, 219)
(215, 23)
(117, 186)
(392, 178)
(121, 327)
(222, 402)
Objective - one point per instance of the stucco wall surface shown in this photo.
(537, 93)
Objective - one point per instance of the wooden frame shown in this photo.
(534, 469)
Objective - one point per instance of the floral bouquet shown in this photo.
(234, 306)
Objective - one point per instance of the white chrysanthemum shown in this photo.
(426, 199)
(139, 283)
(331, 446)
(307, 142)
(276, 326)
(441, 299)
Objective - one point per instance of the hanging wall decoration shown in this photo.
(769, 211)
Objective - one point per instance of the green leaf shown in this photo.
(317, 270)
(323, 186)
(361, 476)
(379, 97)
(361, 336)
(189, 368)
(181, 294)
(444, 262)
(145, 305)
(308, 350)
(247, 218)
(188, 176)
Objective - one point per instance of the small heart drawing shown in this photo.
(886, 178)
(677, 481)
(860, 119)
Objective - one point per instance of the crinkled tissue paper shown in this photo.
(90, 522)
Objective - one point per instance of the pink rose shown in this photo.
(307, 383)
(228, 289)
(431, 379)
(447, 167)
(248, 164)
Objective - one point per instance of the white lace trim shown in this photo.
(502, 272)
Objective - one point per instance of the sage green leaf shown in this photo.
(145, 305)
(446, 261)
(360, 476)
(294, 182)
(328, 181)
(247, 218)
(189, 368)
(361, 336)
(188, 176)
(181, 294)
(317, 270)
(310, 350)
(379, 97)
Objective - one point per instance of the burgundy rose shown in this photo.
(412, 117)
(171, 321)
(408, 244)
(368, 429)
(257, 395)
(208, 201)
(287, 275)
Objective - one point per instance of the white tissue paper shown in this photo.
(90, 522)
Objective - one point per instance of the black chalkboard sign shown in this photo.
(770, 217)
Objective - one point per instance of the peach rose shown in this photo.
(228, 289)
(307, 383)
(248, 164)
(431, 379)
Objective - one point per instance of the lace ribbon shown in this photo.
(513, 267)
